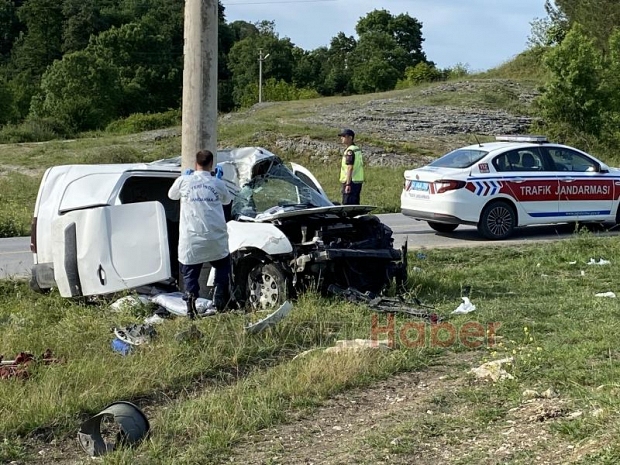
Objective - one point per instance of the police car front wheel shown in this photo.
(497, 220)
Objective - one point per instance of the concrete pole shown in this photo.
(199, 110)
(261, 58)
(260, 76)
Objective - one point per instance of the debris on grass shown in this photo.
(124, 424)
(129, 302)
(493, 371)
(609, 294)
(270, 320)
(465, 307)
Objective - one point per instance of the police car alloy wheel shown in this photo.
(497, 220)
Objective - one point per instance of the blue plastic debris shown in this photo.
(120, 346)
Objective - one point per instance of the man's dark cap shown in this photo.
(347, 132)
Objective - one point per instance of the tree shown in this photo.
(147, 64)
(548, 31)
(226, 39)
(339, 69)
(41, 44)
(85, 18)
(7, 107)
(422, 72)
(81, 91)
(243, 60)
(573, 94)
(310, 68)
(10, 27)
(405, 30)
(598, 18)
(378, 63)
(243, 29)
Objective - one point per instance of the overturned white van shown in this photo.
(99, 229)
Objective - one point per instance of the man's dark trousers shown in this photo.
(353, 197)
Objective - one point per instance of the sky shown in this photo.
(480, 34)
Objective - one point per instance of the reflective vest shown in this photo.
(358, 165)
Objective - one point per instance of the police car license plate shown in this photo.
(419, 186)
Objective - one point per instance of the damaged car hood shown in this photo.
(275, 213)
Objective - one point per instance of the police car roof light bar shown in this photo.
(522, 138)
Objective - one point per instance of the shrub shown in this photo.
(112, 155)
(460, 70)
(34, 129)
(139, 122)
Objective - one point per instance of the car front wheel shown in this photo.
(497, 221)
(442, 227)
(267, 286)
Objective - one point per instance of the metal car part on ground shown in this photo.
(130, 422)
(515, 181)
(270, 320)
(100, 229)
(387, 304)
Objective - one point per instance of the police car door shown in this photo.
(110, 248)
(584, 193)
(532, 185)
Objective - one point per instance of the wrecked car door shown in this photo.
(308, 178)
(110, 248)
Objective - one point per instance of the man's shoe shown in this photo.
(190, 300)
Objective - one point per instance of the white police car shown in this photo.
(515, 181)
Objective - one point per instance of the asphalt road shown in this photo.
(16, 259)
(420, 235)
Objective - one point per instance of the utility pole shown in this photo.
(199, 110)
(261, 58)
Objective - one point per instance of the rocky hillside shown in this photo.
(414, 119)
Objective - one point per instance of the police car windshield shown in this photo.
(276, 188)
(460, 158)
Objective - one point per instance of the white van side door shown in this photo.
(109, 249)
(308, 178)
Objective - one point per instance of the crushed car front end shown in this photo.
(326, 243)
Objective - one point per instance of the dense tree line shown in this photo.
(80, 64)
(581, 94)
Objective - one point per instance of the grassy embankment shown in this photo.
(204, 397)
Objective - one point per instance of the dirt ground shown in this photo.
(400, 420)
(377, 425)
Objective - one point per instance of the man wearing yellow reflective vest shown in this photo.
(351, 169)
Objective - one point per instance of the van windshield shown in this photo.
(275, 191)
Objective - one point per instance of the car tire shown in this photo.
(267, 286)
(497, 220)
(442, 227)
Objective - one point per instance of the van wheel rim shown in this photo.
(264, 291)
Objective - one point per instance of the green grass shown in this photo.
(203, 397)
(17, 195)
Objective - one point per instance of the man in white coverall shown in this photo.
(203, 236)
